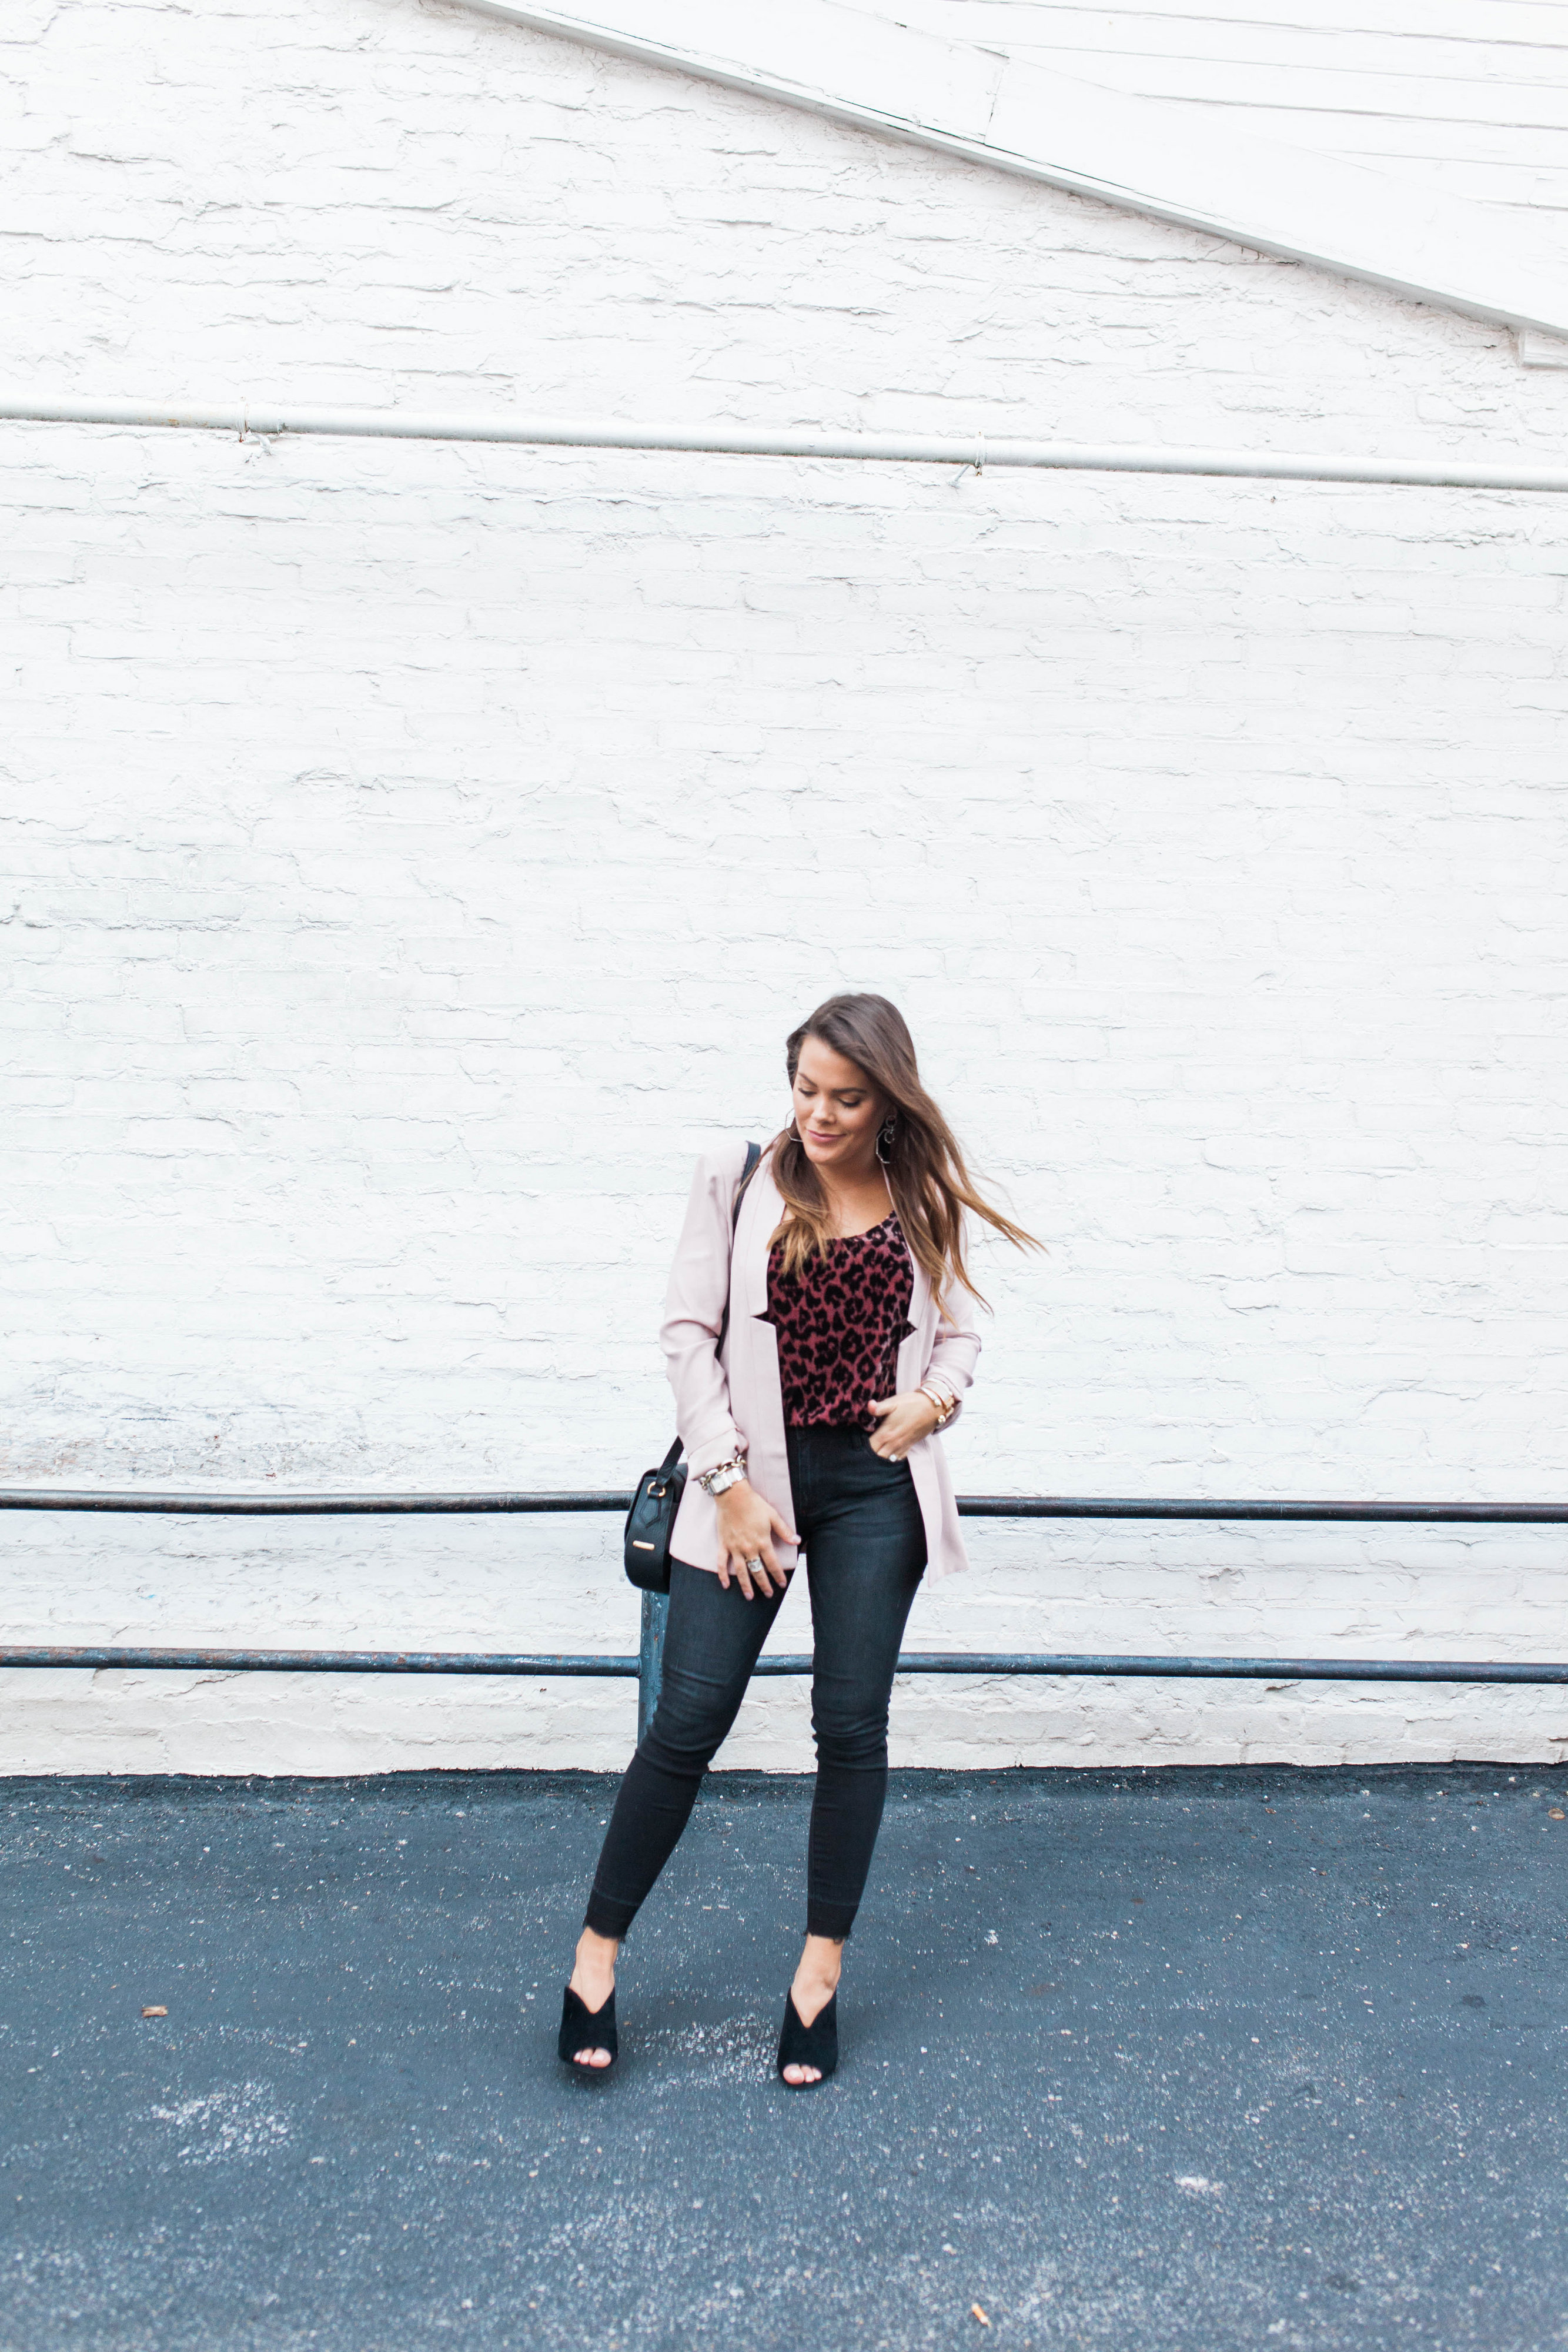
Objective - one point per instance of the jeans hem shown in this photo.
(608, 1915)
(834, 1921)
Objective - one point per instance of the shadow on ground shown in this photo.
(1207, 2059)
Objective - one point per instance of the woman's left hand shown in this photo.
(905, 1421)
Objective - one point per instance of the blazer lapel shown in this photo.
(759, 1214)
(920, 1296)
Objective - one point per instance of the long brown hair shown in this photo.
(930, 1185)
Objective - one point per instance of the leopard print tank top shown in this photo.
(838, 1327)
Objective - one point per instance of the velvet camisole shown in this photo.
(840, 1324)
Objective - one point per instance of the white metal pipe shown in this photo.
(1456, 472)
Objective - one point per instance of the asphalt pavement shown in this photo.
(1207, 2059)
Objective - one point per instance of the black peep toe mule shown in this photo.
(588, 2029)
(816, 2044)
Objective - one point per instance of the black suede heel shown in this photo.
(816, 2044)
(586, 2029)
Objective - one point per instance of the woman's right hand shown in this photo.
(747, 1526)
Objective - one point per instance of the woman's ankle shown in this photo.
(817, 1975)
(594, 1960)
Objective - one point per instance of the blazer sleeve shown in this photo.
(694, 1311)
(958, 1348)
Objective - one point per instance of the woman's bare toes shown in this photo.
(593, 2058)
(798, 2074)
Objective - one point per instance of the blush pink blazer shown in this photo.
(723, 1404)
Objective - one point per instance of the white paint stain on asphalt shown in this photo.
(238, 2121)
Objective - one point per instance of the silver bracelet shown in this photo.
(722, 1476)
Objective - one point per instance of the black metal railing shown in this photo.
(213, 1505)
(646, 1664)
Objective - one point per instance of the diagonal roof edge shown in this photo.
(1145, 155)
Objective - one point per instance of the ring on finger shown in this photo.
(753, 1562)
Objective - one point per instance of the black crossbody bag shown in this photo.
(651, 1521)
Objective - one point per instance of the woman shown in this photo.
(849, 1344)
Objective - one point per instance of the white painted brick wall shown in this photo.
(414, 853)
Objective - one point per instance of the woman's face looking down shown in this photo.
(836, 1111)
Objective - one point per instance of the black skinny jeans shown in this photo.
(864, 1540)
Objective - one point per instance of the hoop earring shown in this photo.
(884, 1136)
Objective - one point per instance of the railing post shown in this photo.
(651, 1658)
